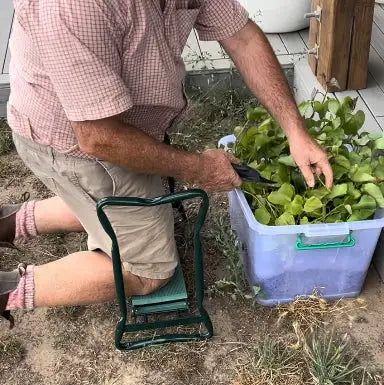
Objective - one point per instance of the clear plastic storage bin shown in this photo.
(290, 261)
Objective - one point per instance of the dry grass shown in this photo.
(270, 362)
(313, 311)
(6, 141)
(323, 359)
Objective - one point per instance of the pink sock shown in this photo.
(23, 297)
(25, 221)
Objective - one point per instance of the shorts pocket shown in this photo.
(100, 179)
(93, 178)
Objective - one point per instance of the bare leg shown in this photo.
(80, 278)
(54, 216)
(84, 278)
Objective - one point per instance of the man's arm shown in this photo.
(256, 61)
(129, 147)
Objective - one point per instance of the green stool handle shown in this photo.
(116, 261)
(350, 242)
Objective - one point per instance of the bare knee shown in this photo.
(151, 285)
(135, 285)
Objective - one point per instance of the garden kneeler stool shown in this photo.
(172, 298)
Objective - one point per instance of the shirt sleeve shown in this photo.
(220, 19)
(80, 45)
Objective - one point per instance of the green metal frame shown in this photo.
(350, 242)
(201, 319)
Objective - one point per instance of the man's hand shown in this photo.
(310, 157)
(215, 172)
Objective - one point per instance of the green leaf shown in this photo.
(348, 105)
(275, 150)
(334, 218)
(312, 204)
(362, 141)
(267, 172)
(338, 171)
(246, 139)
(349, 208)
(366, 202)
(285, 220)
(317, 213)
(379, 172)
(365, 167)
(361, 215)
(282, 196)
(342, 161)
(282, 175)
(338, 190)
(287, 160)
(320, 108)
(304, 221)
(378, 144)
(333, 106)
(361, 177)
(310, 123)
(322, 137)
(354, 157)
(365, 152)
(353, 191)
(238, 131)
(305, 109)
(261, 140)
(375, 135)
(298, 180)
(354, 123)
(343, 150)
(254, 165)
(256, 114)
(262, 216)
(319, 192)
(375, 192)
(296, 206)
(265, 125)
(336, 123)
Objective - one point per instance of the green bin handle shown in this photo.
(350, 242)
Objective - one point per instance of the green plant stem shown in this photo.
(325, 216)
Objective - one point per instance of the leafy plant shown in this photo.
(355, 158)
(328, 360)
(225, 240)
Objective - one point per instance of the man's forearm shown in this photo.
(129, 147)
(257, 63)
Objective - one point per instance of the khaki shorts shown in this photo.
(145, 234)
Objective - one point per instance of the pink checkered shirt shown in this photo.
(77, 60)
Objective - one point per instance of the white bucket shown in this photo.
(278, 16)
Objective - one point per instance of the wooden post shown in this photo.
(342, 38)
(361, 41)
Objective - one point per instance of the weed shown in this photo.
(210, 118)
(228, 246)
(329, 360)
(271, 362)
(323, 359)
